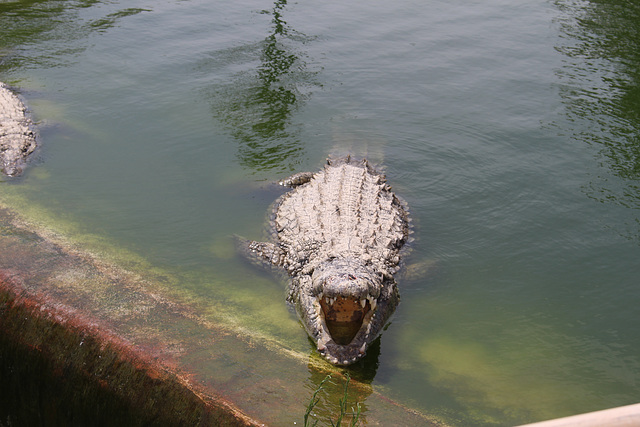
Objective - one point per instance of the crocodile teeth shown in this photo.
(373, 302)
(322, 343)
(364, 345)
(363, 302)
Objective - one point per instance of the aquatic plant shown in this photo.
(355, 414)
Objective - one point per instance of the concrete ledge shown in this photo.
(623, 416)
(57, 369)
(73, 350)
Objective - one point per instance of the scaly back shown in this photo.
(346, 209)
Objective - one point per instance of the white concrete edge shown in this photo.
(623, 416)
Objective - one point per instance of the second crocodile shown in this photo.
(17, 138)
(338, 234)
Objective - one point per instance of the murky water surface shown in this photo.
(511, 129)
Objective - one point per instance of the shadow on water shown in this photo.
(24, 25)
(601, 91)
(258, 105)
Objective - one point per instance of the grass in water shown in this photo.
(355, 415)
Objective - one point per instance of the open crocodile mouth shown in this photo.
(344, 316)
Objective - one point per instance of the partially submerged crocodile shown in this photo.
(338, 234)
(17, 138)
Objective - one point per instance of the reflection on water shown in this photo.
(601, 90)
(24, 24)
(258, 105)
(111, 19)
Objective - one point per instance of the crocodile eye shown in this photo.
(352, 277)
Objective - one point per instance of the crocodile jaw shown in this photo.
(337, 346)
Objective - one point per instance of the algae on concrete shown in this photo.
(165, 335)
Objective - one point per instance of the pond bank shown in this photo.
(84, 339)
(64, 358)
(59, 370)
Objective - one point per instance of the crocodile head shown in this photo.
(344, 305)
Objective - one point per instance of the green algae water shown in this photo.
(510, 128)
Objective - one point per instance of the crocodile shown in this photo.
(17, 138)
(338, 234)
